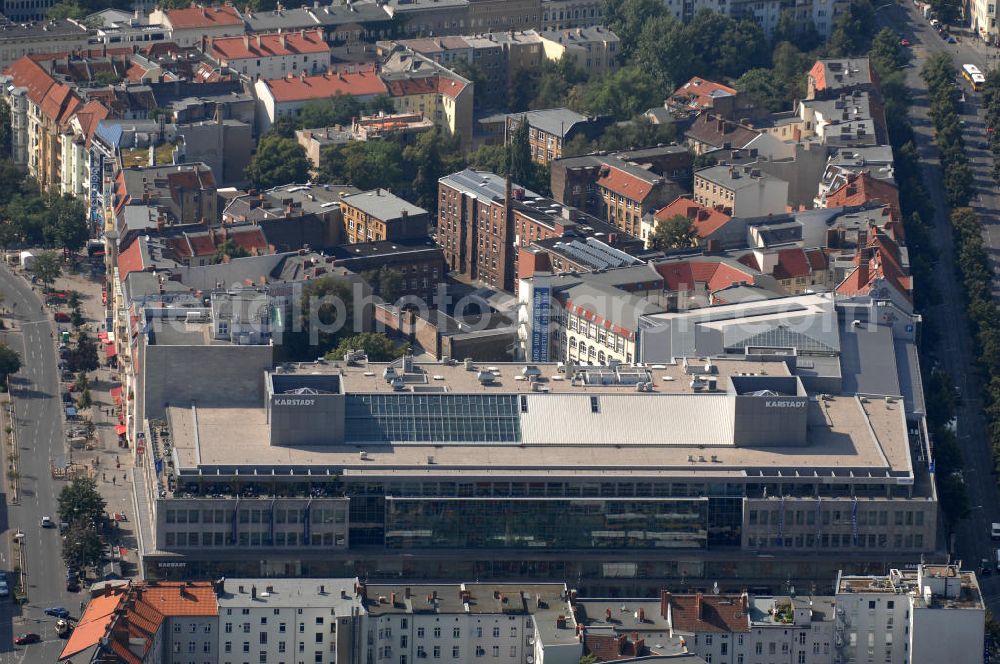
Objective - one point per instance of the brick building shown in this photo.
(377, 215)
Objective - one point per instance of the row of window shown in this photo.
(837, 541)
(218, 539)
(863, 517)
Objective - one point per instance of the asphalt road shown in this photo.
(971, 541)
(39, 427)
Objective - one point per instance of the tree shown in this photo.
(491, 158)
(522, 88)
(623, 93)
(519, 165)
(763, 88)
(590, 658)
(46, 268)
(327, 312)
(852, 30)
(10, 362)
(474, 73)
(5, 136)
(81, 547)
(628, 18)
(390, 284)
(886, 54)
(340, 109)
(377, 346)
(80, 504)
(676, 232)
(380, 104)
(85, 400)
(66, 9)
(432, 156)
(65, 222)
(227, 250)
(278, 161)
(84, 356)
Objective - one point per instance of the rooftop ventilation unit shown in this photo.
(486, 377)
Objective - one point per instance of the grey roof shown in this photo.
(292, 593)
(733, 178)
(862, 156)
(412, 6)
(383, 204)
(482, 184)
(868, 359)
(555, 121)
(744, 293)
(43, 29)
(360, 11)
(590, 252)
(845, 72)
(624, 276)
(611, 304)
(315, 199)
(580, 36)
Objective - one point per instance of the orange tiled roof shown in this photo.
(863, 188)
(303, 88)
(717, 613)
(705, 220)
(94, 623)
(269, 45)
(203, 17)
(625, 183)
(89, 116)
(195, 598)
(698, 93)
(130, 260)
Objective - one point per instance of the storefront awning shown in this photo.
(120, 429)
(110, 350)
(116, 394)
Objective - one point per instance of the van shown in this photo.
(998, 560)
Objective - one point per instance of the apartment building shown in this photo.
(373, 216)
(550, 129)
(708, 222)
(19, 39)
(359, 21)
(900, 616)
(181, 194)
(569, 14)
(271, 55)
(592, 49)
(711, 132)
(628, 193)
(740, 191)
(289, 620)
(482, 221)
(496, 15)
(835, 76)
(285, 97)
(188, 26)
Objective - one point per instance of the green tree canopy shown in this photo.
(377, 346)
(46, 267)
(227, 250)
(10, 362)
(278, 161)
(65, 224)
(623, 93)
(674, 233)
(81, 547)
(327, 313)
(80, 504)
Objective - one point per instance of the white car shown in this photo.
(995, 531)
(47, 522)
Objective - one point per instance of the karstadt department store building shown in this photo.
(625, 475)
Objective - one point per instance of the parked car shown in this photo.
(995, 531)
(47, 522)
(62, 317)
(4, 589)
(25, 639)
(57, 612)
(902, 42)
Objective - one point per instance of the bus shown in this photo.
(973, 76)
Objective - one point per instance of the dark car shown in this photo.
(73, 585)
(25, 639)
(57, 612)
(62, 317)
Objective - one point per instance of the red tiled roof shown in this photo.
(792, 263)
(627, 184)
(135, 72)
(718, 613)
(716, 131)
(304, 88)
(203, 17)
(57, 101)
(449, 86)
(89, 116)
(413, 86)
(60, 103)
(130, 260)
(817, 259)
(716, 274)
(195, 598)
(606, 647)
(269, 45)
(750, 261)
(697, 93)
(705, 220)
(251, 239)
(863, 188)
(878, 261)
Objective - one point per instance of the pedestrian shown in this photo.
(105, 476)
(114, 479)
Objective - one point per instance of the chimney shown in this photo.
(258, 41)
(664, 603)
(253, 592)
(607, 614)
(283, 40)
(246, 42)
(642, 615)
(406, 593)
(622, 640)
(697, 605)
(745, 601)
(392, 599)
(720, 125)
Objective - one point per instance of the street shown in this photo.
(972, 535)
(39, 428)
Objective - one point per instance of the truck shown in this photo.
(62, 628)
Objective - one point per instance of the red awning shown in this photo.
(116, 394)
(110, 350)
(103, 336)
(120, 429)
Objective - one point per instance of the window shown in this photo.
(496, 651)
(437, 652)
(496, 632)
(420, 632)
(454, 652)
(437, 632)
(263, 638)
(456, 633)
(228, 647)
(513, 651)
(281, 627)
(404, 623)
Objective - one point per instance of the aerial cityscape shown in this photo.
(500, 332)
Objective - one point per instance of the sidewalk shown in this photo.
(112, 464)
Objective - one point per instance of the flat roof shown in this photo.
(663, 433)
(383, 204)
(335, 594)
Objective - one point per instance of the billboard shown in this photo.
(540, 319)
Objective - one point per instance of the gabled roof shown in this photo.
(718, 132)
(699, 93)
(705, 220)
(57, 101)
(130, 260)
(878, 262)
(709, 613)
(303, 88)
(93, 624)
(716, 273)
(89, 116)
(269, 45)
(792, 263)
(195, 17)
(629, 185)
(862, 188)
